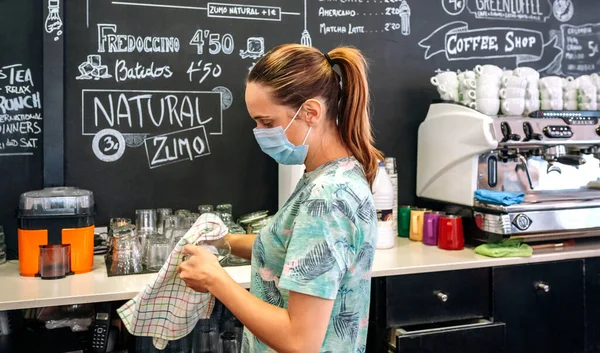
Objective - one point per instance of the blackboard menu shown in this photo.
(155, 113)
(21, 120)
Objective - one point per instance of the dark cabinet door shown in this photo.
(541, 305)
(592, 305)
(476, 339)
(437, 297)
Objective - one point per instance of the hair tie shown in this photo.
(328, 59)
(337, 74)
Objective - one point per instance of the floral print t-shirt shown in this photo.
(321, 243)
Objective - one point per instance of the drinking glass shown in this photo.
(229, 342)
(158, 249)
(202, 209)
(183, 225)
(182, 213)
(225, 208)
(127, 251)
(145, 224)
(171, 223)
(206, 339)
(115, 222)
(161, 214)
(145, 220)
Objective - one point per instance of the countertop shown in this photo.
(406, 257)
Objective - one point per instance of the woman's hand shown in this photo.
(202, 270)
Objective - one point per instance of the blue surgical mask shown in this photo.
(275, 143)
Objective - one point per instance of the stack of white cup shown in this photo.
(466, 88)
(513, 94)
(570, 93)
(551, 93)
(487, 84)
(532, 92)
(587, 93)
(447, 85)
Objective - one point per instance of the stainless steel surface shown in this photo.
(515, 223)
(523, 164)
(549, 160)
(513, 179)
(583, 135)
(442, 296)
(542, 202)
(543, 287)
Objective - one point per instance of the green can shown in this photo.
(404, 220)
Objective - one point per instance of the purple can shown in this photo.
(431, 227)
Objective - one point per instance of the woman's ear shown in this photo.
(313, 112)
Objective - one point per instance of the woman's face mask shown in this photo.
(274, 142)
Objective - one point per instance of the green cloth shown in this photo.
(512, 247)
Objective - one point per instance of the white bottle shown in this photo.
(383, 197)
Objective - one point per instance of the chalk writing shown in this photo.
(16, 74)
(174, 147)
(458, 42)
(395, 18)
(454, 7)
(203, 70)
(123, 72)
(108, 145)
(323, 12)
(111, 42)
(20, 112)
(216, 43)
(581, 46)
(150, 112)
(248, 12)
(524, 10)
(305, 38)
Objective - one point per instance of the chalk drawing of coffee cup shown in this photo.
(255, 48)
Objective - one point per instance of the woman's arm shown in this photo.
(300, 328)
(241, 244)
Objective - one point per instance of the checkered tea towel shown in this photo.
(166, 309)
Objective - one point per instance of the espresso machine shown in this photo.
(552, 157)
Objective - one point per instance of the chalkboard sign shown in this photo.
(155, 113)
(21, 120)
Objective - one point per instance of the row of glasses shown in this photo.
(155, 235)
(207, 339)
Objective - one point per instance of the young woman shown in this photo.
(311, 266)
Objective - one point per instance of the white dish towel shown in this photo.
(166, 309)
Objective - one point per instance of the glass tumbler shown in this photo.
(161, 214)
(127, 251)
(115, 222)
(145, 224)
(183, 225)
(182, 213)
(202, 209)
(206, 339)
(229, 342)
(171, 223)
(158, 249)
(225, 208)
(145, 220)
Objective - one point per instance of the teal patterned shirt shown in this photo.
(321, 243)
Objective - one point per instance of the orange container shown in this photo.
(56, 216)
